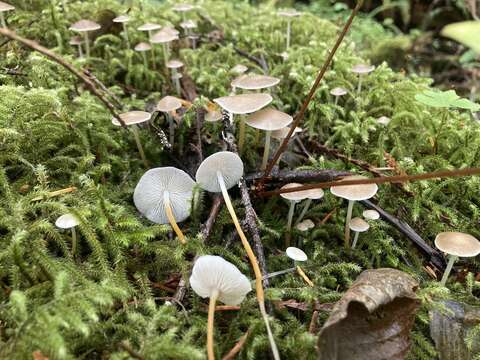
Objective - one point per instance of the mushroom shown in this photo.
(361, 70)
(337, 92)
(214, 113)
(383, 120)
(293, 198)
(174, 65)
(123, 19)
(4, 7)
(134, 118)
(297, 254)
(142, 48)
(216, 278)
(168, 105)
(77, 41)
(69, 221)
(456, 244)
(269, 120)
(281, 134)
(243, 104)
(312, 194)
(85, 26)
(239, 69)
(218, 173)
(305, 225)
(289, 14)
(163, 195)
(164, 36)
(150, 27)
(358, 225)
(254, 82)
(188, 26)
(371, 214)
(183, 8)
(353, 193)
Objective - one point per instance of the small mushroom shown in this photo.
(353, 193)
(312, 194)
(293, 198)
(77, 41)
(362, 70)
(174, 65)
(150, 28)
(188, 26)
(123, 19)
(281, 134)
(456, 244)
(268, 120)
(358, 225)
(163, 195)
(164, 37)
(297, 255)
(254, 82)
(214, 113)
(215, 278)
(4, 7)
(305, 225)
(371, 214)
(142, 48)
(168, 105)
(239, 69)
(218, 173)
(183, 9)
(383, 120)
(243, 104)
(69, 221)
(289, 14)
(134, 118)
(85, 26)
(337, 92)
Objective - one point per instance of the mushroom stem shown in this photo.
(171, 218)
(154, 59)
(451, 261)
(176, 81)
(171, 128)
(145, 61)
(80, 51)
(87, 43)
(139, 146)
(165, 54)
(304, 276)
(355, 239)
(359, 88)
(289, 30)
(241, 136)
(253, 261)
(266, 150)
(125, 33)
(2, 20)
(211, 317)
(304, 210)
(347, 222)
(336, 100)
(74, 242)
(289, 222)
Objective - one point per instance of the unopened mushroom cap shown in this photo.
(169, 103)
(384, 120)
(289, 13)
(338, 91)
(149, 27)
(305, 225)
(296, 254)
(6, 7)
(458, 244)
(67, 221)
(294, 196)
(358, 224)
(362, 69)
(244, 103)
(281, 134)
(164, 36)
(132, 118)
(268, 119)
(239, 69)
(149, 194)
(371, 215)
(121, 19)
(214, 273)
(143, 46)
(85, 25)
(183, 7)
(254, 82)
(227, 163)
(188, 24)
(76, 40)
(174, 64)
(354, 192)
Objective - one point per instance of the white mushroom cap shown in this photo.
(132, 118)
(239, 69)
(362, 69)
(281, 134)
(150, 193)
(183, 7)
(213, 116)
(168, 104)
(314, 194)
(85, 25)
(121, 19)
(358, 224)
(458, 244)
(305, 225)
(294, 196)
(188, 24)
(143, 46)
(67, 221)
(371, 215)
(269, 119)
(6, 7)
(76, 40)
(171, 30)
(254, 82)
(164, 36)
(214, 273)
(354, 192)
(296, 254)
(227, 163)
(289, 13)
(338, 91)
(174, 64)
(149, 27)
(244, 103)
(384, 120)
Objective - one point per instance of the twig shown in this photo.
(259, 61)
(328, 216)
(124, 346)
(199, 120)
(88, 82)
(188, 87)
(312, 329)
(102, 86)
(236, 349)
(286, 176)
(181, 291)
(207, 227)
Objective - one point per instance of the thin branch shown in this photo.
(207, 227)
(259, 61)
(287, 176)
(126, 347)
(102, 86)
(237, 348)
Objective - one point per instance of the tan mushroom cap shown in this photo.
(188, 24)
(362, 69)
(174, 64)
(314, 194)
(143, 46)
(268, 119)
(458, 244)
(305, 225)
(294, 196)
(239, 69)
(338, 91)
(149, 27)
(183, 7)
(289, 13)
(67, 221)
(296, 254)
(169, 103)
(214, 113)
(227, 163)
(281, 134)
(121, 19)
(164, 36)
(371, 214)
(358, 224)
(244, 103)
(6, 7)
(132, 118)
(76, 40)
(254, 82)
(85, 25)
(383, 120)
(354, 192)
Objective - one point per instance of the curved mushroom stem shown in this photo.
(253, 261)
(211, 317)
(304, 211)
(2, 20)
(289, 222)
(125, 33)
(241, 136)
(451, 261)
(289, 30)
(87, 43)
(74, 242)
(266, 150)
(304, 276)
(347, 222)
(171, 218)
(139, 146)
(355, 239)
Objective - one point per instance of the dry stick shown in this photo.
(124, 346)
(237, 348)
(287, 176)
(88, 82)
(102, 86)
(207, 227)
(310, 95)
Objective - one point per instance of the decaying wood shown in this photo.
(301, 176)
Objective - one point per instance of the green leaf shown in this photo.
(446, 99)
(465, 32)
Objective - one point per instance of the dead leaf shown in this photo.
(372, 320)
(37, 355)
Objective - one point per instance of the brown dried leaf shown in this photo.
(372, 321)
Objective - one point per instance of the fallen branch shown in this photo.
(236, 349)
(259, 61)
(102, 86)
(287, 176)
(126, 347)
(207, 227)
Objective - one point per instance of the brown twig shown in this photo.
(125, 346)
(287, 176)
(328, 216)
(102, 86)
(259, 61)
(207, 227)
(236, 349)
(312, 329)
(199, 120)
